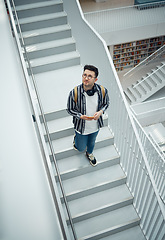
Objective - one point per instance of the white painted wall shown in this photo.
(26, 206)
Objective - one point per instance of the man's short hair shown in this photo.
(92, 68)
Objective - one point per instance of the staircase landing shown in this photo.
(54, 86)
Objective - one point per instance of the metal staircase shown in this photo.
(99, 200)
(147, 86)
(47, 36)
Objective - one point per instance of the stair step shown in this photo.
(37, 4)
(43, 21)
(159, 75)
(55, 62)
(134, 233)
(62, 127)
(135, 92)
(39, 8)
(147, 84)
(58, 127)
(78, 164)
(41, 18)
(162, 68)
(50, 116)
(99, 203)
(111, 223)
(47, 34)
(93, 182)
(50, 48)
(130, 95)
(63, 147)
(140, 88)
(101, 210)
(151, 81)
(144, 85)
(156, 79)
(60, 123)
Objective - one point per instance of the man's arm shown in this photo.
(71, 106)
(98, 114)
(104, 106)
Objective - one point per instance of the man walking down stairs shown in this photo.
(86, 104)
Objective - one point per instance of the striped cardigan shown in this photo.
(79, 108)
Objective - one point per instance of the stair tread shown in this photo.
(160, 73)
(134, 233)
(43, 31)
(109, 220)
(59, 124)
(66, 143)
(50, 44)
(79, 161)
(37, 5)
(130, 95)
(140, 88)
(157, 77)
(63, 123)
(41, 17)
(93, 179)
(142, 83)
(135, 91)
(54, 58)
(99, 200)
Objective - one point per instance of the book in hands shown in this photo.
(90, 117)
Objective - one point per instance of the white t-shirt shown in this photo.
(91, 107)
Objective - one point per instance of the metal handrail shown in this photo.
(145, 60)
(46, 129)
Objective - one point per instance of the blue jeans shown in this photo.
(87, 142)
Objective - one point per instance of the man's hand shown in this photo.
(95, 116)
(98, 114)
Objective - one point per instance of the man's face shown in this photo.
(88, 79)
